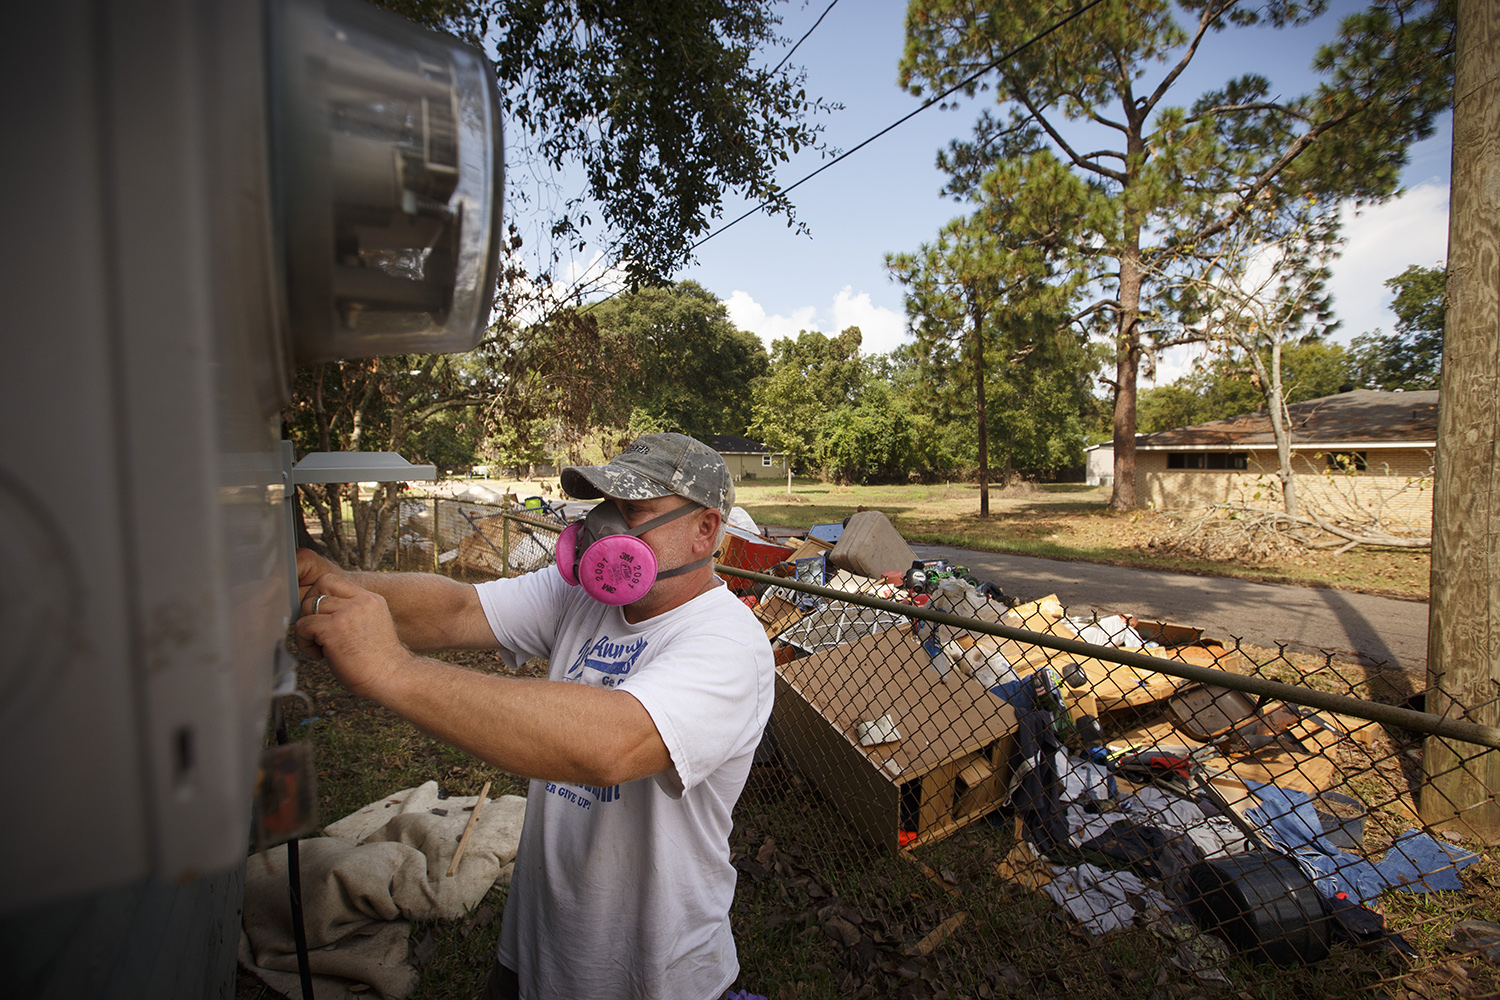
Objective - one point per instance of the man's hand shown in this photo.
(311, 568)
(352, 628)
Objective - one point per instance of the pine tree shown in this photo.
(1179, 177)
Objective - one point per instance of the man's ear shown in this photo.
(708, 529)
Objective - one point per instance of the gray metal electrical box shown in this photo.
(149, 336)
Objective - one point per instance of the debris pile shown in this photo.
(1136, 798)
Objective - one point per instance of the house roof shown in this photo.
(728, 444)
(1364, 417)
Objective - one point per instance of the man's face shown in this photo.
(672, 542)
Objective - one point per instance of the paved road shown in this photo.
(1372, 630)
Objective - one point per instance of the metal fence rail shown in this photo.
(972, 799)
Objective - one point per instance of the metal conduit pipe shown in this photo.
(1390, 715)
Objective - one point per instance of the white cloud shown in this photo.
(883, 329)
(747, 314)
(1380, 243)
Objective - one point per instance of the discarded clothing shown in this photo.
(1102, 901)
(377, 869)
(1415, 863)
(1083, 779)
(1151, 852)
(1037, 795)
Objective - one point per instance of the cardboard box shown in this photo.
(950, 766)
(777, 614)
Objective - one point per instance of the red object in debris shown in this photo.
(1171, 765)
(895, 578)
(749, 600)
(920, 600)
(905, 837)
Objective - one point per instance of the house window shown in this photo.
(765, 460)
(1211, 460)
(1347, 461)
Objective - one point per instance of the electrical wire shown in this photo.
(803, 38)
(909, 116)
(805, 35)
(937, 98)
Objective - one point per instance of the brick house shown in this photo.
(1357, 454)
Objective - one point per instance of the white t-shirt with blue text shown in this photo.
(625, 891)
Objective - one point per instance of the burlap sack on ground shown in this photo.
(376, 869)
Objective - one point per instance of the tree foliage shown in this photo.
(1412, 357)
(695, 367)
(998, 285)
(1178, 177)
(875, 439)
(809, 378)
(658, 103)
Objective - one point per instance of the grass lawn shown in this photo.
(1069, 521)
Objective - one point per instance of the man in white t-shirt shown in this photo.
(637, 745)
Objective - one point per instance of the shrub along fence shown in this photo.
(962, 797)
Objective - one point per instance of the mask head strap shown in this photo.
(662, 519)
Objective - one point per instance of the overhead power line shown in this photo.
(809, 31)
(1079, 12)
(780, 64)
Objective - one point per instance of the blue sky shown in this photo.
(884, 198)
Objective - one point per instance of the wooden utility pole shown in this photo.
(1463, 646)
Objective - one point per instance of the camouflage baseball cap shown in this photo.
(657, 465)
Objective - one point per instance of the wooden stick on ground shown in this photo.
(473, 817)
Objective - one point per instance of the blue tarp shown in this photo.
(1416, 861)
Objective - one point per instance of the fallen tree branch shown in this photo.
(1258, 534)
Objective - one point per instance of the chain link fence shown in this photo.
(475, 541)
(960, 795)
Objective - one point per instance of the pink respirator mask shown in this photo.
(607, 558)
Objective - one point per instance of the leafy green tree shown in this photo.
(450, 439)
(1167, 406)
(1412, 357)
(696, 368)
(875, 440)
(809, 378)
(1178, 178)
(990, 282)
(1042, 398)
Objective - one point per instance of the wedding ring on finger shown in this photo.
(317, 602)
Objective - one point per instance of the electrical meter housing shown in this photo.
(387, 165)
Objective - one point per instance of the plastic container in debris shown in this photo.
(826, 532)
(1342, 818)
(870, 546)
(1262, 904)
